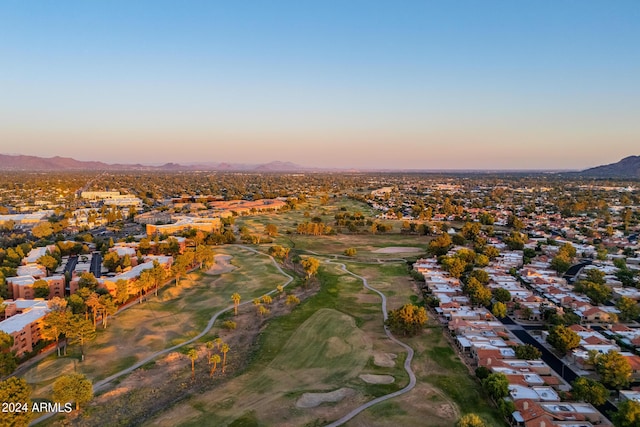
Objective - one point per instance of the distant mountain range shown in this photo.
(629, 167)
(34, 163)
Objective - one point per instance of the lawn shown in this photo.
(177, 314)
(321, 345)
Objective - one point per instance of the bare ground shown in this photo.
(377, 379)
(384, 360)
(398, 250)
(311, 400)
(152, 389)
(222, 265)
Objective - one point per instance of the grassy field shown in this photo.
(321, 345)
(178, 313)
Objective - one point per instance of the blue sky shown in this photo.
(368, 84)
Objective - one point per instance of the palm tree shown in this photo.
(93, 302)
(193, 355)
(218, 342)
(225, 349)
(267, 299)
(214, 360)
(158, 274)
(236, 302)
(262, 310)
(209, 346)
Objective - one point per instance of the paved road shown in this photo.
(71, 264)
(103, 383)
(96, 264)
(407, 362)
(573, 271)
(559, 366)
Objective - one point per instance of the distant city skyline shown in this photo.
(357, 84)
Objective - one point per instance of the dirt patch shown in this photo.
(311, 400)
(398, 250)
(445, 410)
(384, 360)
(222, 265)
(377, 379)
(337, 347)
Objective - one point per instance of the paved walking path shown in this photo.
(407, 362)
(103, 383)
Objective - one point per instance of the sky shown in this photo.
(482, 84)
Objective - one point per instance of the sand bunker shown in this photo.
(398, 249)
(311, 400)
(384, 360)
(377, 379)
(222, 265)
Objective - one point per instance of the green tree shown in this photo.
(229, 325)
(40, 289)
(80, 331)
(111, 261)
(122, 291)
(107, 308)
(492, 252)
(482, 372)
(502, 295)
(628, 414)
(181, 265)
(48, 262)
(515, 241)
(73, 388)
(54, 325)
(496, 385)
(236, 302)
(499, 310)
(440, 245)
(407, 320)
(350, 252)
(15, 390)
(483, 277)
(214, 360)
(143, 283)
(42, 230)
(454, 265)
(527, 352)
(310, 266)
(192, 354)
(596, 276)
(629, 309)
(204, 256)
(159, 274)
(481, 260)
(479, 294)
(88, 280)
(8, 360)
(590, 391)
(292, 300)
(224, 349)
(470, 420)
(614, 370)
(6, 341)
(271, 230)
(279, 252)
(560, 263)
(563, 339)
(597, 293)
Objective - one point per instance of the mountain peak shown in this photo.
(629, 167)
